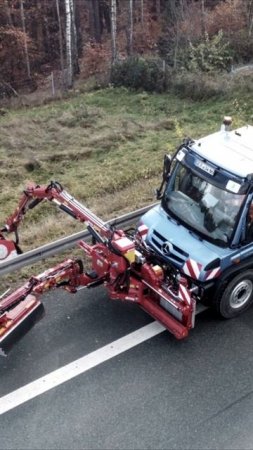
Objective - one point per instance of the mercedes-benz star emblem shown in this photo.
(167, 248)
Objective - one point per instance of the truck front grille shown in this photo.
(176, 255)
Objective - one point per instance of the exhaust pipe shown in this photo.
(16, 322)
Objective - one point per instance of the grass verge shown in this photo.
(105, 147)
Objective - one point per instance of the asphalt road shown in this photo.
(161, 394)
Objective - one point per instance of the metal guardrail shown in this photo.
(62, 244)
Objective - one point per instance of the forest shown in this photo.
(136, 43)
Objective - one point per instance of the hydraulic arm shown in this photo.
(122, 262)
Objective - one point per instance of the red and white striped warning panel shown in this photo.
(192, 268)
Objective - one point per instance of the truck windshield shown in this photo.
(207, 209)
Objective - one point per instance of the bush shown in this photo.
(209, 55)
(139, 73)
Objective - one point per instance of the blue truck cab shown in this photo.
(203, 226)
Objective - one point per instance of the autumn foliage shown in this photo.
(33, 35)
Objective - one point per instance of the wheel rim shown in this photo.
(241, 294)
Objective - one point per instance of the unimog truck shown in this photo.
(203, 226)
(195, 246)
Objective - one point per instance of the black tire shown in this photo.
(236, 297)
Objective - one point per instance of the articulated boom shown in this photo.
(34, 194)
(122, 262)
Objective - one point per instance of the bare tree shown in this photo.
(114, 29)
(46, 29)
(69, 44)
(8, 13)
(158, 8)
(95, 20)
(25, 35)
(249, 8)
(142, 13)
(60, 35)
(74, 39)
(182, 6)
(203, 18)
(130, 29)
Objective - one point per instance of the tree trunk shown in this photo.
(158, 8)
(69, 45)
(78, 25)
(114, 30)
(203, 19)
(105, 15)
(249, 11)
(37, 26)
(182, 9)
(74, 39)
(28, 68)
(142, 13)
(176, 46)
(8, 13)
(46, 39)
(130, 29)
(60, 36)
(95, 20)
(250, 27)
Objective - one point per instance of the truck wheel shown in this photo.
(237, 296)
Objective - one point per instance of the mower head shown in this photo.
(17, 321)
(8, 249)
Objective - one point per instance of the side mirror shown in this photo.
(166, 170)
(166, 166)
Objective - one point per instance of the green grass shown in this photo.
(101, 146)
(105, 147)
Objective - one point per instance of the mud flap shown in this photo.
(16, 322)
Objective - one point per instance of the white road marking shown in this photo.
(81, 365)
(65, 373)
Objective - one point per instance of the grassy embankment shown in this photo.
(104, 147)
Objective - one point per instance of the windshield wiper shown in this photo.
(195, 235)
(173, 220)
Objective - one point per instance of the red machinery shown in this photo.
(121, 261)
